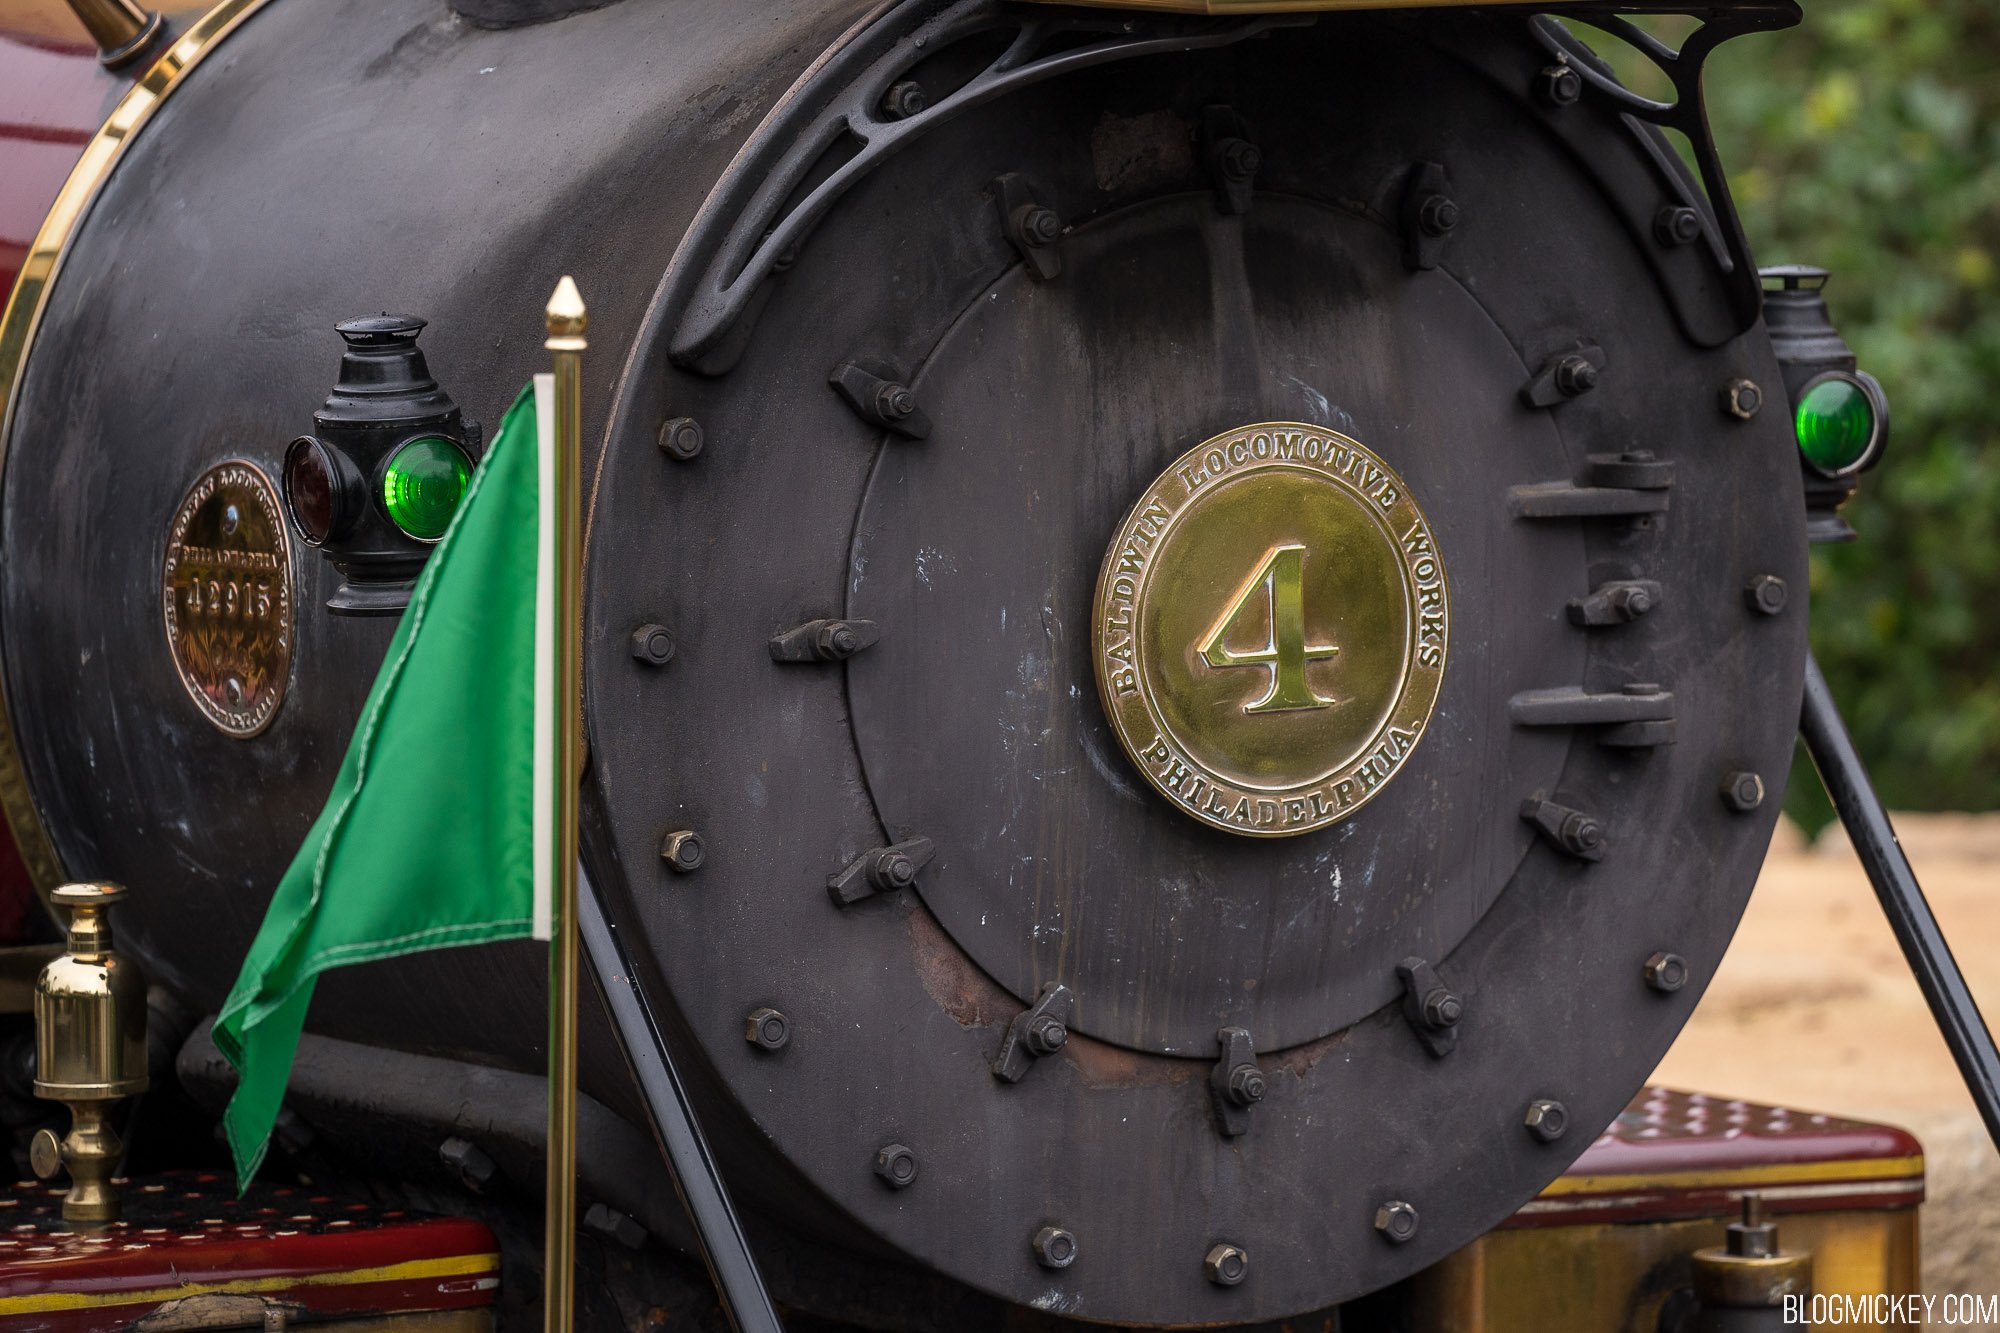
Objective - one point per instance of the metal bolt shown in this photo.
(1038, 225)
(474, 1169)
(681, 438)
(894, 402)
(614, 1225)
(653, 644)
(1741, 398)
(1047, 1035)
(1442, 1009)
(1743, 792)
(1631, 601)
(1666, 972)
(897, 1165)
(1240, 158)
(1226, 1265)
(1246, 1085)
(895, 871)
(1054, 1248)
(1397, 1221)
(1437, 215)
(837, 639)
(767, 1029)
(1575, 375)
(682, 850)
(1581, 834)
(1676, 224)
(1546, 1119)
(1767, 594)
(904, 99)
(1559, 85)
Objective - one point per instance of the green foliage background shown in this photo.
(1867, 140)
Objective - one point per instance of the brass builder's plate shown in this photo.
(1270, 629)
(226, 590)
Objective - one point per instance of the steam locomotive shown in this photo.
(1195, 621)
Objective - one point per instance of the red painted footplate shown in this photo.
(186, 1240)
(1681, 1155)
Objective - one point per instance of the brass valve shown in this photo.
(90, 1051)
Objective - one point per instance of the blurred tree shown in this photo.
(1867, 141)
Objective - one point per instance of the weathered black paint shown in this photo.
(273, 195)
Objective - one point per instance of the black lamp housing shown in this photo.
(1810, 350)
(385, 398)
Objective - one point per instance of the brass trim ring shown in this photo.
(24, 316)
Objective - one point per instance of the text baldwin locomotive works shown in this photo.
(1271, 627)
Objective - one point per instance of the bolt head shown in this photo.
(842, 641)
(1054, 1248)
(474, 1169)
(897, 1166)
(1546, 1120)
(1743, 792)
(767, 1029)
(1575, 375)
(1631, 601)
(1666, 972)
(1226, 1265)
(1039, 225)
(1677, 224)
(905, 98)
(1241, 159)
(1442, 1009)
(1397, 1221)
(653, 645)
(898, 870)
(1560, 85)
(1047, 1035)
(682, 850)
(1742, 398)
(1246, 1085)
(1438, 215)
(894, 402)
(1581, 833)
(1767, 594)
(681, 438)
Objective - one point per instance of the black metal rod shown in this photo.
(745, 1299)
(1902, 899)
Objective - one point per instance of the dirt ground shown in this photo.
(1814, 1008)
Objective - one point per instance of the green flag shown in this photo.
(439, 829)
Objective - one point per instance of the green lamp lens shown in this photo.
(423, 485)
(1836, 425)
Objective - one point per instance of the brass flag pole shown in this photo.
(567, 320)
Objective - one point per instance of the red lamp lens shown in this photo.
(309, 487)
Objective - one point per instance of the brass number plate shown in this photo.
(227, 596)
(1270, 629)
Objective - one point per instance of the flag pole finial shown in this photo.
(567, 320)
(567, 317)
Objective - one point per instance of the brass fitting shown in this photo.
(1749, 1272)
(90, 1051)
(122, 30)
